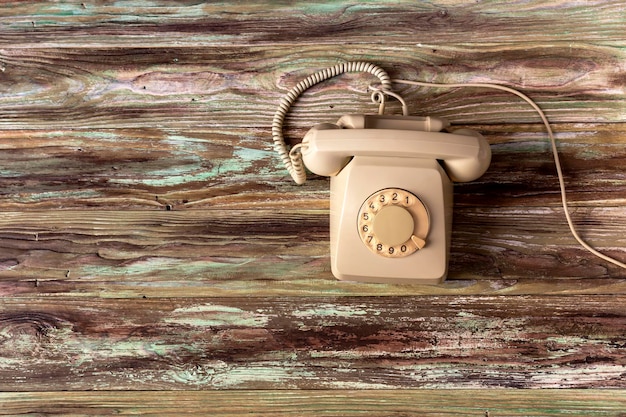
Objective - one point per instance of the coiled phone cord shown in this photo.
(293, 159)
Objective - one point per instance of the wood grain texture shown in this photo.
(314, 343)
(189, 22)
(214, 168)
(153, 249)
(220, 87)
(260, 251)
(313, 403)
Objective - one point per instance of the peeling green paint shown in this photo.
(332, 310)
(219, 374)
(211, 315)
(179, 266)
(78, 194)
(243, 159)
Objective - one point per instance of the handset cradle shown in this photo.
(326, 150)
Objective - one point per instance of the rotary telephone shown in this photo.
(391, 182)
(391, 197)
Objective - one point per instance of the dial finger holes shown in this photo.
(393, 223)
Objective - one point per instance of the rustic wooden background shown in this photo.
(155, 257)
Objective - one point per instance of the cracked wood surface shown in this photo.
(153, 249)
(313, 343)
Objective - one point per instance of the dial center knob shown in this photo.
(393, 225)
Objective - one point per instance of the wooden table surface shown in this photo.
(155, 258)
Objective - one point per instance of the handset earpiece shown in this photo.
(469, 169)
(330, 163)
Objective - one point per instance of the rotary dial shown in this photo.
(393, 223)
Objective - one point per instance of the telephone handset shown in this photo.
(327, 147)
(391, 192)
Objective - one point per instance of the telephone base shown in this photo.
(351, 259)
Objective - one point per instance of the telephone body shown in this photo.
(391, 193)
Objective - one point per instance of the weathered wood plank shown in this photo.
(317, 343)
(129, 23)
(218, 87)
(150, 169)
(45, 284)
(214, 168)
(305, 403)
(238, 252)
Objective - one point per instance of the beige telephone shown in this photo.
(391, 192)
